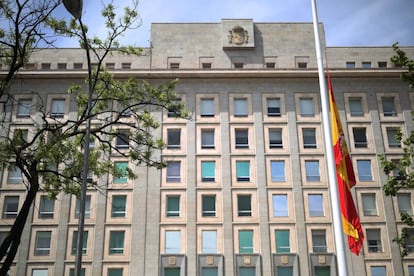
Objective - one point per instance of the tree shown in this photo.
(400, 175)
(51, 159)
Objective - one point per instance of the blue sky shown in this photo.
(346, 22)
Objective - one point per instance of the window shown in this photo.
(209, 241)
(244, 206)
(366, 65)
(208, 171)
(312, 170)
(350, 65)
(173, 171)
(110, 65)
(126, 65)
(284, 271)
(360, 137)
(275, 138)
(378, 271)
(409, 240)
(121, 175)
(122, 139)
(382, 64)
(61, 66)
(206, 65)
(315, 204)
(306, 107)
(174, 109)
(207, 108)
(282, 241)
(270, 65)
(243, 171)
(174, 65)
(40, 272)
(172, 271)
(24, 107)
(174, 138)
(84, 242)
(242, 138)
(364, 170)
(280, 205)
(77, 66)
(207, 138)
(172, 242)
(238, 65)
(388, 106)
(87, 207)
(58, 108)
(309, 138)
(278, 171)
(115, 271)
(247, 271)
(209, 271)
(322, 270)
(10, 207)
(72, 272)
(302, 65)
(240, 107)
(404, 203)
(374, 240)
(245, 241)
(319, 241)
(355, 106)
(273, 107)
(208, 205)
(173, 206)
(116, 242)
(42, 243)
(118, 208)
(369, 204)
(46, 207)
(392, 133)
(14, 176)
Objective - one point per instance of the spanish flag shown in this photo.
(346, 179)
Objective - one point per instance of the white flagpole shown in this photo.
(333, 185)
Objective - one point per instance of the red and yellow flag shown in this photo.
(346, 179)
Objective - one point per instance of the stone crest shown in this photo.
(238, 36)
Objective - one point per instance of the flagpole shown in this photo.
(333, 185)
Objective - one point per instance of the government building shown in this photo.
(245, 191)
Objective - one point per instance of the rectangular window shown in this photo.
(280, 205)
(121, 175)
(273, 107)
(309, 138)
(122, 139)
(174, 171)
(404, 203)
(87, 207)
(247, 271)
(315, 202)
(322, 271)
(238, 65)
(208, 171)
(42, 243)
(115, 271)
(209, 271)
(244, 205)
(278, 171)
(312, 171)
(62, 66)
(46, 207)
(270, 65)
(374, 240)
(382, 64)
(206, 65)
(388, 106)
(302, 65)
(284, 271)
(282, 241)
(242, 138)
(14, 175)
(243, 171)
(245, 241)
(173, 206)
(173, 111)
(72, 272)
(355, 106)
(84, 242)
(174, 65)
(319, 241)
(207, 138)
(10, 207)
(366, 65)
(240, 107)
(174, 138)
(208, 205)
(392, 133)
(364, 170)
(409, 240)
(275, 138)
(360, 137)
(207, 108)
(209, 241)
(58, 108)
(118, 208)
(172, 242)
(369, 204)
(40, 272)
(306, 107)
(350, 65)
(378, 271)
(24, 108)
(116, 242)
(411, 270)
(172, 271)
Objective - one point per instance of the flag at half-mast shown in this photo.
(346, 179)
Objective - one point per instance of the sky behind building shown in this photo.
(346, 23)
